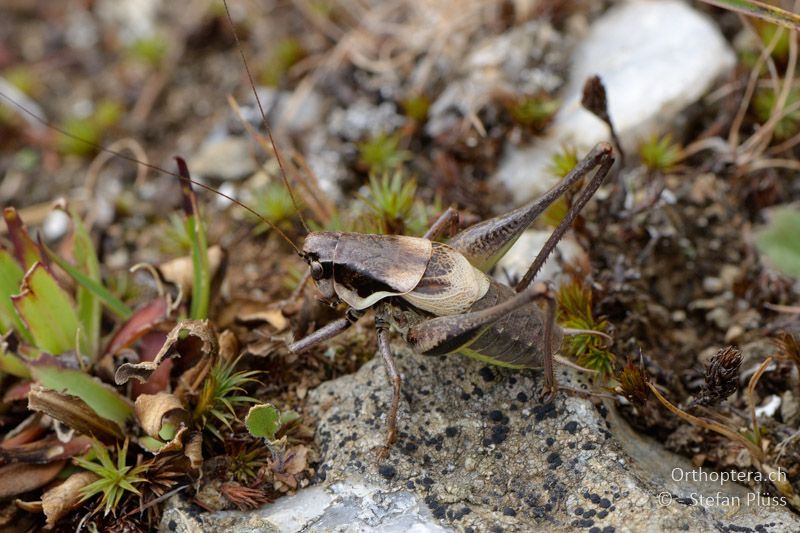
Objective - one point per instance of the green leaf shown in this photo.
(11, 275)
(103, 399)
(112, 302)
(11, 364)
(761, 10)
(201, 282)
(263, 421)
(48, 311)
(89, 310)
(779, 241)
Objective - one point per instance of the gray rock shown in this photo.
(349, 506)
(227, 158)
(297, 112)
(525, 60)
(363, 120)
(477, 449)
(654, 57)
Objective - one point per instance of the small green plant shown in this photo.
(115, 478)
(382, 154)
(149, 50)
(245, 460)
(222, 393)
(779, 242)
(416, 107)
(285, 54)
(391, 199)
(575, 311)
(660, 154)
(534, 112)
(87, 132)
(764, 103)
(23, 78)
(561, 164)
(273, 202)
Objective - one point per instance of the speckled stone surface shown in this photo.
(478, 452)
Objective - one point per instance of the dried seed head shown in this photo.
(594, 98)
(633, 383)
(788, 346)
(722, 376)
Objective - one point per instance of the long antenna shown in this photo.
(122, 155)
(264, 120)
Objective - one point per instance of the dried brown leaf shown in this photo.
(143, 320)
(153, 410)
(19, 478)
(194, 450)
(73, 412)
(62, 499)
(197, 338)
(45, 450)
(180, 271)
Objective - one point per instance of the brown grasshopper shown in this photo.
(437, 295)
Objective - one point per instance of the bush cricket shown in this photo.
(436, 294)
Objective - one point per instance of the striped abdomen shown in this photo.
(516, 340)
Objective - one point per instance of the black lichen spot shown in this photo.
(590, 513)
(594, 498)
(495, 416)
(579, 511)
(571, 427)
(554, 460)
(602, 514)
(586, 522)
(410, 485)
(428, 482)
(499, 434)
(608, 529)
(508, 511)
(172, 525)
(387, 471)
(605, 503)
(451, 431)
(486, 373)
(549, 441)
(588, 446)
(547, 410)
(522, 397)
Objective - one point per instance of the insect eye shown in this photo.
(316, 270)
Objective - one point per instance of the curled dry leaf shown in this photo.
(180, 271)
(19, 478)
(228, 345)
(143, 320)
(46, 450)
(295, 463)
(200, 336)
(249, 311)
(63, 498)
(73, 412)
(154, 411)
(194, 450)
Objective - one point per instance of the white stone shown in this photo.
(654, 57)
(55, 225)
